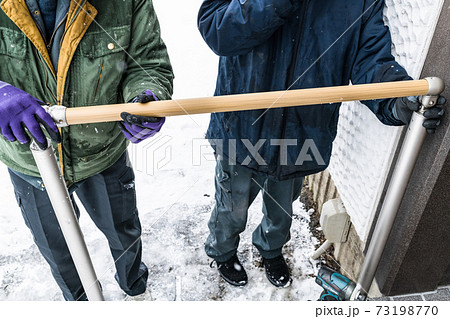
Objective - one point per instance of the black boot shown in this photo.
(232, 271)
(277, 271)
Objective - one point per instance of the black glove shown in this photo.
(137, 128)
(405, 106)
(145, 97)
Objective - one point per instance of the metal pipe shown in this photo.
(65, 214)
(397, 187)
(404, 167)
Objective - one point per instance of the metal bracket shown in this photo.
(58, 113)
(436, 87)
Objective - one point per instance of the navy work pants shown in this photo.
(236, 188)
(110, 200)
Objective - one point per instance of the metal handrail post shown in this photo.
(412, 144)
(67, 219)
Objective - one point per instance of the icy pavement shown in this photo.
(175, 198)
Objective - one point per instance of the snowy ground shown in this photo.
(174, 204)
(175, 192)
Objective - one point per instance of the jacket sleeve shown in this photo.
(148, 64)
(374, 61)
(234, 27)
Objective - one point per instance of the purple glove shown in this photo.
(19, 111)
(137, 128)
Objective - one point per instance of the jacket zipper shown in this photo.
(42, 34)
(49, 46)
(44, 65)
(98, 81)
(290, 78)
(297, 43)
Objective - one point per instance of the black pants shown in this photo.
(110, 200)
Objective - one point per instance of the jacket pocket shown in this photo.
(101, 43)
(101, 60)
(14, 68)
(12, 43)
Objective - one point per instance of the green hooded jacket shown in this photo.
(110, 52)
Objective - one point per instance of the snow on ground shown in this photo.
(175, 193)
(174, 206)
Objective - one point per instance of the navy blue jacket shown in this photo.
(267, 45)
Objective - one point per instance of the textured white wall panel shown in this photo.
(364, 147)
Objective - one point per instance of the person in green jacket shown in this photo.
(80, 53)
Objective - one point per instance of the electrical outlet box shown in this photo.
(335, 221)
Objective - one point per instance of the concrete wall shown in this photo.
(364, 148)
(363, 154)
(417, 255)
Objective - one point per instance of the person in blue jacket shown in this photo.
(268, 45)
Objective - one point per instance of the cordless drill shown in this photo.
(336, 286)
